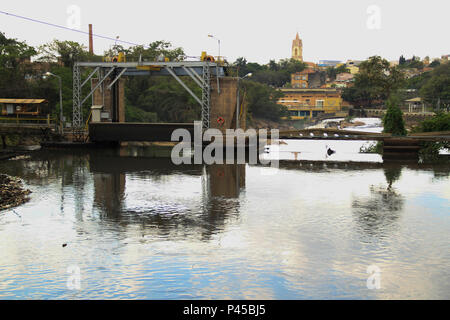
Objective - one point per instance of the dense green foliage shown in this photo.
(414, 62)
(13, 68)
(393, 120)
(374, 83)
(440, 122)
(147, 99)
(262, 101)
(274, 74)
(436, 89)
(332, 72)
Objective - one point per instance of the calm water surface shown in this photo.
(140, 228)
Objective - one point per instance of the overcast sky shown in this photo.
(258, 30)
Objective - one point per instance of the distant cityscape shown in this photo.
(316, 90)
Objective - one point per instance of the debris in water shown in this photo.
(12, 193)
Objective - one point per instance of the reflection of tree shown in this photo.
(377, 214)
(392, 174)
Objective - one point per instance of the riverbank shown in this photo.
(12, 193)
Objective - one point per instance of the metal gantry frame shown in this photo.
(200, 72)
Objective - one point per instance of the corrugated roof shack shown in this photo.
(24, 109)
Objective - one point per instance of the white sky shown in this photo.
(258, 30)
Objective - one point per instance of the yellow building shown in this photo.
(297, 49)
(353, 69)
(353, 66)
(309, 103)
(301, 79)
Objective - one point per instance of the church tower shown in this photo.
(297, 49)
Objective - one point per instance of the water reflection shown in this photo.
(133, 190)
(377, 214)
(224, 231)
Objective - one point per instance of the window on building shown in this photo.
(303, 85)
(319, 103)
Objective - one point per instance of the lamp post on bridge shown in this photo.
(49, 74)
(218, 40)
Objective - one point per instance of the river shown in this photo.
(137, 227)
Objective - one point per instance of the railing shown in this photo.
(18, 120)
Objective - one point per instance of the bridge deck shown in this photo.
(108, 132)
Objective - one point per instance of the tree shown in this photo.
(436, 89)
(15, 68)
(66, 52)
(374, 83)
(439, 122)
(274, 74)
(332, 72)
(402, 60)
(393, 120)
(152, 52)
(262, 101)
(435, 63)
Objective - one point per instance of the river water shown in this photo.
(137, 227)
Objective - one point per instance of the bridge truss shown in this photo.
(200, 72)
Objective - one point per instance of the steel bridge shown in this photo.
(200, 72)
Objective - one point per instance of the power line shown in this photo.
(69, 29)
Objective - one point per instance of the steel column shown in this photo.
(77, 112)
(206, 97)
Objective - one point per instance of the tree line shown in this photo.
(147, 99)
(161, 99)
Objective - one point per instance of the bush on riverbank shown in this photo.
(439, 122)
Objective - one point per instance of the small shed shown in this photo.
(415, 103)
(23, 107)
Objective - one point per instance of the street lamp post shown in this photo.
(218, 40)
(48, 74)
(238, 104)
